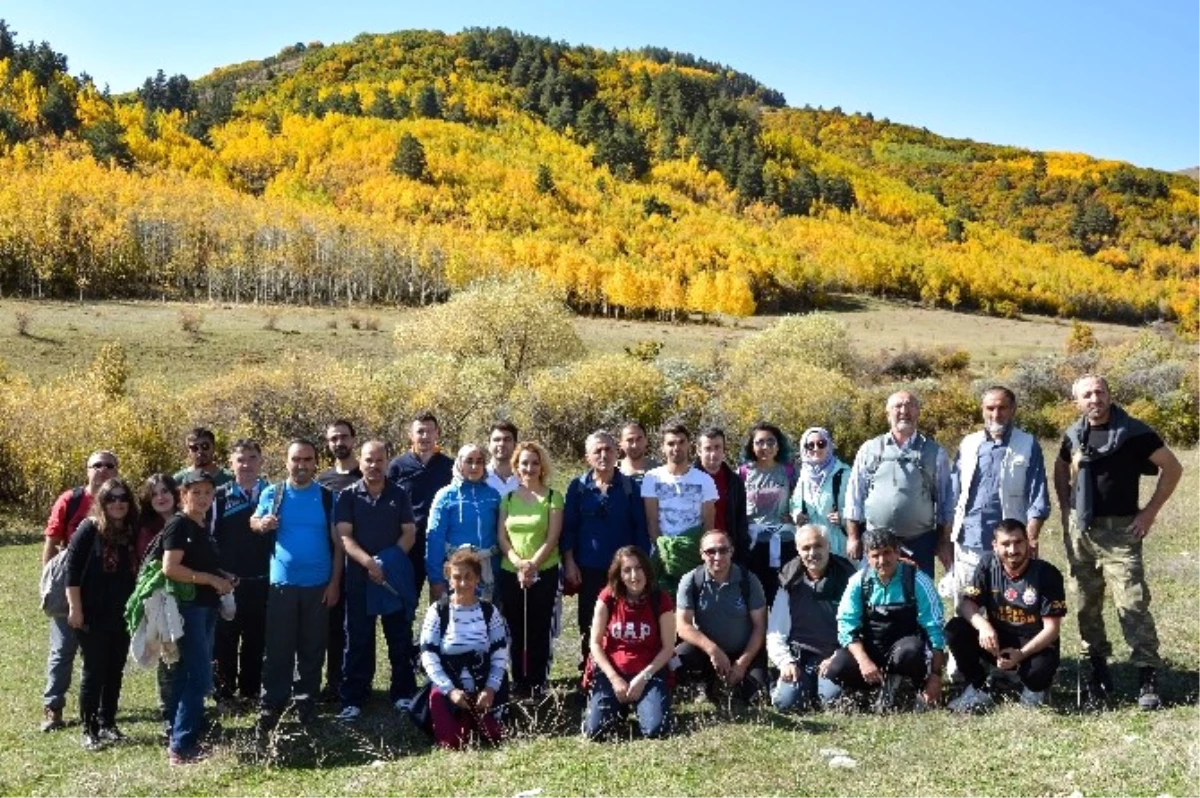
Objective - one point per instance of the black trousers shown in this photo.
(592, 581)
(906, 657)
(529, 612)
(297, 629)
(104, 652)
(239, 644)
(336, 647)
(759, 563)
(698, 667)
(1037, 672)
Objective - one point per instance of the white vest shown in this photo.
(1017, 458)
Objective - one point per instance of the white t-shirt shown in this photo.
(680, 498)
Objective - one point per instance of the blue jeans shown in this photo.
(604, 710)
(193, 676)
(60, 663)
(358, 670)
(808, 690)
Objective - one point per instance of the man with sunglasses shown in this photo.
(721, 615)
(201, 454)
(70, 508)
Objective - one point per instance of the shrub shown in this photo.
(190, 321)
(21, 322)
(110, 369)
(1081, 338)
(271, 320)
(816, 339)
(646, 350)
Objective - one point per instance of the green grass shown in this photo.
(1057, 751)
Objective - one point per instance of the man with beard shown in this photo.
(1009, 616)
(341, 440)
(636, 459)
(1103, 457)
(999, 473)
(802, 627)
(202, 452)
(901, 482)
(502, 440)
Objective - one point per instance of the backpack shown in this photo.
(908, 580)
(52, 587)
(74, 502)
(698, 581)
(419, 710)
(907, 494)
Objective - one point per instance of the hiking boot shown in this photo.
(885, 699)
(1032, 699)
(111, 734)
(973, 699)
(52, 719)
(91, 741)
(1148, 699)
(1100, 683)
(193, 757)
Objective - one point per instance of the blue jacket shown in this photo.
(466, 512)
(596, 525)
(398, 573)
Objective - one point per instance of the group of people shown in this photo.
(802, 579)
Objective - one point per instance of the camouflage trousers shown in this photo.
(1106, 553)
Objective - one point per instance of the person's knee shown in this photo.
(787, 696)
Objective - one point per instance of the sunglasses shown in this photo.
(716, 551)
(116, 497)
(103, 465)
(196, 447)
(814, 445)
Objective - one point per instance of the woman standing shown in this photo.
(464, 652)
(190, 558)
(530, 526)
(464, 513)
(633, 639)
(101, 573)
(820, 492)
(770, 476)
(157, 502)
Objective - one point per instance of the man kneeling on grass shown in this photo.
(889, 628)
(1009, 615)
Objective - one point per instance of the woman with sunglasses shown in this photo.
(769, 475)
(101, 574)
(820, 493)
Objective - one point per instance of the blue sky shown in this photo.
(1114, 80)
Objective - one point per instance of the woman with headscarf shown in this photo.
(769, 475)
(465, 513)
(820, 493)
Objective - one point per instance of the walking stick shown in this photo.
(525, 636)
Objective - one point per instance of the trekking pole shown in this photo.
(525, 636)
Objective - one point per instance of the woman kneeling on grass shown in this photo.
(190, 558)
(464, 651)
(101, 573)
(633, 639)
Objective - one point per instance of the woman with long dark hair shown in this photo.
(157, 502)
(101, 573)
(770, 476)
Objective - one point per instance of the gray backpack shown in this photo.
(902, 490)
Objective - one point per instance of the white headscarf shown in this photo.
(814, 463)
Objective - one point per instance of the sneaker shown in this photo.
(193, 757)
(349, 713)
(403, 704)
(973, 699)
(111, 734)
(1148, 699)
(1100, 683)
(885, 699)
(1033, 699)
(91, 741)
(52, 719)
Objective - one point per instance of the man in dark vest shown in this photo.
(1096, 476)
(802, 627)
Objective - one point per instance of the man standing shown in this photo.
(1009, 616)
(1096, 476)
(729, 512)
(238, 646)
(680, 507)
(502, 440)
(721, 615)
(635, 445)
(602, 512)
(999, 473)
(201, 454)
(375, 522)
(802, 627)
(341, 440)
(69, 509)
(889, 628)
(306, 577)
(422, 471)
(901, 482)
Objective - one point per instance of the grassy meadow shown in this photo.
(716, 751)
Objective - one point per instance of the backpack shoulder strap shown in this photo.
(864, 592)
(745, 585)
(694, 586)
(837, 486)
(277, 499)
(909, 575)
(327, 503)
(443, 611)
(790, 469)
(73, 503)
(488, 610)
(743, 471)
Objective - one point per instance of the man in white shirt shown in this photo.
(680, 507)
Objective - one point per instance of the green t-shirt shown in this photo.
(527, 524)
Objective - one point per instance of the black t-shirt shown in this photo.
(1115, 477)
(337, 482)
(1017, 606)
(242, 551)
(199, 552)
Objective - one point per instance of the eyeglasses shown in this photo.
(472, 461)
(103, 464)
(116, 497)
(716, 551)
(201, 446)
(814, 445)
(766, 442)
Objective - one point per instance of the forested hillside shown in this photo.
(400, 167)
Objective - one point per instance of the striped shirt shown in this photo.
(467, 633)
